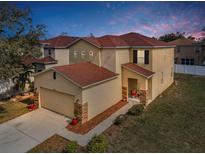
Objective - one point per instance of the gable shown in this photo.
(82, 51)
(45, 79)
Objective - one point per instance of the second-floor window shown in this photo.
(49, 52)
(141, 56)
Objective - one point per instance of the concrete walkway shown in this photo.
(25, 132)
(84, 139)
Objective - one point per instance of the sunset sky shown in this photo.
(100, 18)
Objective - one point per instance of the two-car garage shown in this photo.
(56, 101)
(74, 90)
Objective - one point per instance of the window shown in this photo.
(183, 61)
(75, 53)
(82, 53)
(91, 53)
(54, 75)
(192, 62)
(162, 79)
(187, 61)
(49, 52)
(141, 57)
(146, 58)
(135, 53)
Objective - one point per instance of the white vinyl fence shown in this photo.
(189, 69)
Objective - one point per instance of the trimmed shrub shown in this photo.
(28, 101)
(141, 120)
(71, 147)
(2, 109)
(97, 144)
(136, 109)
(119, 119)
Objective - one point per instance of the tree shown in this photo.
(172, 36)
(18, 38)
(22, 78)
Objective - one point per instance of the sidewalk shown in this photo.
(84, 139)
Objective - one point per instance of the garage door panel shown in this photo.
(57, 101)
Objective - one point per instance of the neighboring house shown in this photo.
(188, 52)
(94, 73)
(39, 64)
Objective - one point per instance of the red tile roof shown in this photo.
(28, 60)
(85, 74)
(45, 60)
(125, 40)
(111, 41)
(135, 39)
(59, 41)
(137, 69)
(183, 41)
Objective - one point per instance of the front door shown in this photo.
(132, 85)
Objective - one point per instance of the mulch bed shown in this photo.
(87, 126)
(54, 144)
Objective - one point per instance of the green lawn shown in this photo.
(11, 110)
(174, 122)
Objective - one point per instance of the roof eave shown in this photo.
(138, 72)
(99, 82)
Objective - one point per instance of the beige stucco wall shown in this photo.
(59, 84)
(122, 57)
(83, 46)
(163, 61)
(108, 59)
(102, 96)
(62, 56)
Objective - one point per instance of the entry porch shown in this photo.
(136, 83)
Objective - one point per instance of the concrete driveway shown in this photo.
(25, 132)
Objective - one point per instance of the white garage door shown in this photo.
(59, 102)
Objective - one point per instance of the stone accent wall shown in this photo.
(124, 94)
(81, 112)
(143, 96)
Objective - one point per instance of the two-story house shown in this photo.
(94, 73)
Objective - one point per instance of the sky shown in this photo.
(101, 18)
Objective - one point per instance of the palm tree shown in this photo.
(22, 78)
